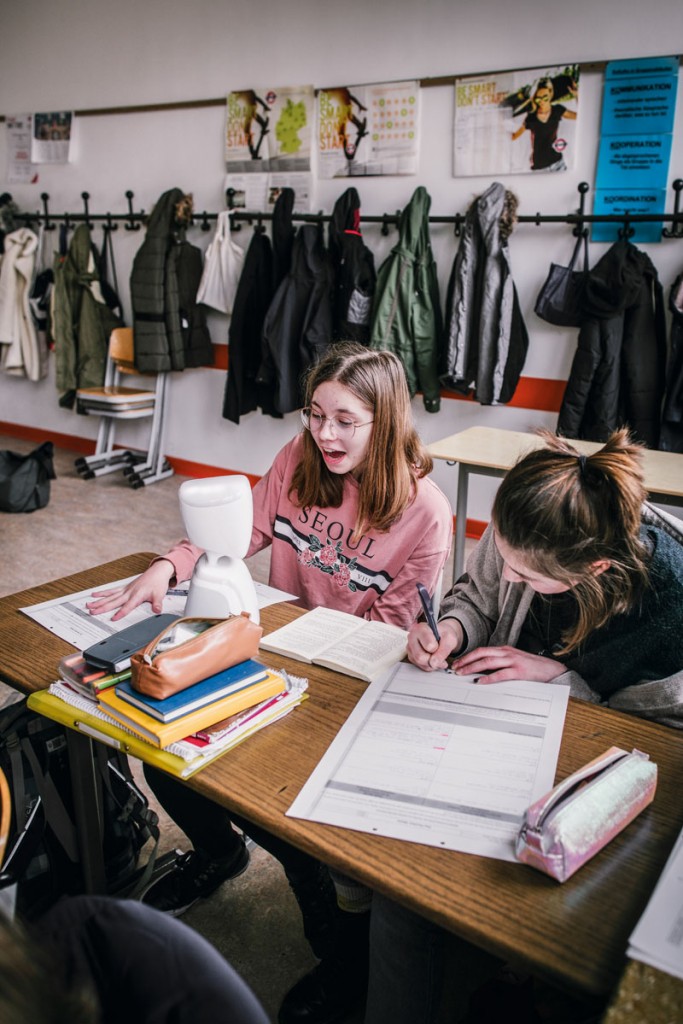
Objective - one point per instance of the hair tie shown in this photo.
(582, 465)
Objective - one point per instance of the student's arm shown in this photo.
(475, 598)
(266, 496)
(151, 585)
(659, 700)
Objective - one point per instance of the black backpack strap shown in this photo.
(135, 809)
(55, 811)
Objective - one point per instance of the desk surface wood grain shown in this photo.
(574, 934)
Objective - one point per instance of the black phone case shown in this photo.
(114, 653)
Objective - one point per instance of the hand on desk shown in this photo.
(150, 586)
(503, 663)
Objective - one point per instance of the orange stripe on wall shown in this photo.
(220, 357)
(531, 393)
(538, 393)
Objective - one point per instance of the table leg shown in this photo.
(87, 810)
(460, 521)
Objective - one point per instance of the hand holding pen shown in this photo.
(428, 610)
(429, 644)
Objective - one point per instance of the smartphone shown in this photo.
(114, 653)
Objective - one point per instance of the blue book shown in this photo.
(197, 696)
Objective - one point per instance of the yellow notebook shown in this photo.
(161, 734)
(77, 718)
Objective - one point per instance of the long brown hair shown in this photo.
(396, 457)
(566, 511)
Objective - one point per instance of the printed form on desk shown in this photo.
(438, 759)
(69, 619)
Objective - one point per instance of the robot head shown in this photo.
(218, 514)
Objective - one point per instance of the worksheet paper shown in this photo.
(658, 937)
(69, 619)
(440, 759)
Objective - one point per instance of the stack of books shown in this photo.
(181, 733)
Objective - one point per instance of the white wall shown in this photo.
(87, 53)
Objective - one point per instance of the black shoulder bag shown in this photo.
(559, 300)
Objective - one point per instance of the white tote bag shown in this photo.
(222, 268)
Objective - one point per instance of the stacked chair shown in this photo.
(113, 402)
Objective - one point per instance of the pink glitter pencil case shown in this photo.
(571, 823)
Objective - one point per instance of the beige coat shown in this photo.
(22, 352)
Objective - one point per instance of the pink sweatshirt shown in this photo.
(314, 557)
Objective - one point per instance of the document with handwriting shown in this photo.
(440, 759)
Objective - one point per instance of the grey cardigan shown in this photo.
(492, 612)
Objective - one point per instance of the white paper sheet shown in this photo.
(68, 618)
(657, 939)
(438, 759)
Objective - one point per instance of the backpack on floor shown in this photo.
(25, 479)
(41, 854)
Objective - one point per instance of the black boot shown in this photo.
(338, 984)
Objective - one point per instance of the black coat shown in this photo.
(251, 377)
(617, 375)
(353, 266)
(671, 439)
(298, 327)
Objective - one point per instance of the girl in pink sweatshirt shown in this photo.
(352, 517)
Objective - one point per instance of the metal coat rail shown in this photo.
(133, 220)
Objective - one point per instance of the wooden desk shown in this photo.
(574, 934)
(488, 451)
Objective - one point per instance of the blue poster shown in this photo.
(633, 161)
(616, 202)
(635, 143)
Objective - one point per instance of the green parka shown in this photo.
(406, 315)
(82, 321)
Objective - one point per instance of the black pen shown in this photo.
(429, 613)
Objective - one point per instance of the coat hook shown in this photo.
(457, 221)
(676, 230)
(131, 224)
(538, 221)
(110, 224)
(48, 225)
(579, 228)
(385, 224)
(85, 196)
(626, 231)
(205, 224)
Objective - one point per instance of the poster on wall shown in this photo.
(269, 133)
(516, 122)
(51, 137)
(19, 128)
(368, 130)
(636, 135)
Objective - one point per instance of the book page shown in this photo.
(308, 636)
(367, 651)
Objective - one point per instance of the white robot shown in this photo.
(218, 514)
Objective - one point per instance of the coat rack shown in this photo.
(133, 220)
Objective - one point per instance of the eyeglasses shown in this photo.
(344, 429)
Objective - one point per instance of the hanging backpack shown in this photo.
(41, 854)
(222, 268)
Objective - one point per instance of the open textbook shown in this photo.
(343, 642)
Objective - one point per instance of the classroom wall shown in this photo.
(86, 54)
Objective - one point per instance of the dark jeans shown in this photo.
(419, 973)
